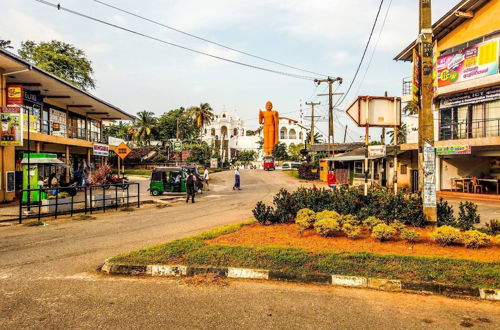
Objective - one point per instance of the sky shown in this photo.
(323, 36)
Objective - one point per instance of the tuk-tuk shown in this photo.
(269, 163)
(167, 179)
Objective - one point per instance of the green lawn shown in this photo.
(293, 173)
(194, 251)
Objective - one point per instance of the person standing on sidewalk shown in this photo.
(205, 178)
(332, 180)
(236, 179)
(190, 186)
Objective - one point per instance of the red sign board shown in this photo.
(15, 95)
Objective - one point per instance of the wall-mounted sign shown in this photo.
(477, 61)
(429, 172)
(14, 94)
(11, 130)
(122, 150)
(470, 98)
(101, 150)
(453, 150)
(177, 146)
(33, 97)
(375, 111)
(377, 151)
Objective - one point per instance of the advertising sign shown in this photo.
(376, 151)
(177, 146)
(477, 61)
(375, 111)
(429, 171)
(470, 98)
(11, 130)
(101, 150)
(14, 94)
(415, 78)
(453, 150)
(58, 122)
(122, 150)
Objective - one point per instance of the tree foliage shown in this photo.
(143, 126)
(203, 114)
(294, 151)
(5, 44)
(246, 156)
(403, 132)
(62, 59)
(167, 126)
(280, 152)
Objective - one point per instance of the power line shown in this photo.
(204, 39)
(363, 56)
(59, 7)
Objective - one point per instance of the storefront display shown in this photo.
(57, 122)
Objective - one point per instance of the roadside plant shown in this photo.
(285, 207)
(349, 219)
(445, 215)
(496, 239)
(467, 216)
(398, 226)
(327, 223)
(409, 235)
(474, 239)
(327, 215)
(492, 227)
(305, 220)
(264, 214)
(372, 221)
(445, 235)
(351, 231)
(383, 232)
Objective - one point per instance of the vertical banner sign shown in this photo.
(11, 130)
(429, 173)
(15, 95)
(434, 66)
(416, 81)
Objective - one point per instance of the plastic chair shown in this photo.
(476, 186)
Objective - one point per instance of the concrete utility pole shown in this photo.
(311, 137)
(330, 82)
(426, 151)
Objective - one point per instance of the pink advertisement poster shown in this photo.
(477, 61)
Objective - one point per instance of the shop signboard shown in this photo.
(14, 94)
(377, 151)
(177, 146)
(454, 150)
(429, 172)
(415, 81)
(11, 130)
(122, 150)
(477, 61)
(470, 98)
(101, 150)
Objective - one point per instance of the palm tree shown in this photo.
(143, 125)
(317, 137)
(203, 114)
(403, 131)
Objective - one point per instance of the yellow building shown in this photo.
(64, 120)
(467, 96)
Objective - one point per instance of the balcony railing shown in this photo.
(469, 130)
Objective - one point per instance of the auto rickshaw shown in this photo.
(167, 179)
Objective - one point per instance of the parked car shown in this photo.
(290, 166)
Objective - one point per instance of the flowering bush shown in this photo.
(409, 235)
(349, 220)
(446, 235)
(352, 231)
(383, 232)
(398, 226)
(372, 221)
(327, 223)
(474, 239)
(99, 176)
(305, 220)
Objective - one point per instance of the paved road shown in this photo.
(48, 277)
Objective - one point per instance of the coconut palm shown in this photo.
(203, 114)
(403, 132)
(143, 125)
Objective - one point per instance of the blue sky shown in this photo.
(326, 36)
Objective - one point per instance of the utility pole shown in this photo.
(311, 136)
(426, 151)
(330, 82)
(345, 133)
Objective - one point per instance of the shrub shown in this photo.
(327, 223)
(383, 232)
(306, 173)
(352, 231)
(493, 227)
(474, 239)
(445, 214)
(398, 226)
(305, 220)
(349, 219)
(410, 235)
(496, 240)
(372, 221)
(467, 216)
(264, 214)
(285, 206)
(445, 235)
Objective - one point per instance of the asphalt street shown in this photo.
(48, 277)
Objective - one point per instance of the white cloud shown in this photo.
(204, 62)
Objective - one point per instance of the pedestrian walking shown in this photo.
(237, 181)
(205, 178)
(332, 180)
(190, 186)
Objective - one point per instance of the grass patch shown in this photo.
(34, 223)
(194, 251)
(134, 172)
(293, 173)
(127, 209)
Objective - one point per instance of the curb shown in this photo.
(333, 279)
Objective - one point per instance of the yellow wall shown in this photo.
(485, 21)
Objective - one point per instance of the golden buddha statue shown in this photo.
(270, 119)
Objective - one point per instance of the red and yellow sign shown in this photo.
(122, 150)
(15, 95)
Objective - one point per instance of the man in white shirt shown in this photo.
(205, 178)
(236, 179)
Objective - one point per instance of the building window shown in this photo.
(292, 134)
(283, 133)
(301, 136)
(57, 123)
(235, 132)
(212, 132)
(404, 169)
(358, 167)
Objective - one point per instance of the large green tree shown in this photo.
(188, 129)
(279, 152)
(62, 59)
(202, 114)
(247, 156)
(294, 151)
(5, 44)
(143, 126)
(402, 133)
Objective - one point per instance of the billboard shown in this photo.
(454, 150)
(415, 78)
(15, 95)
(477, 61)
(375, 111)
(11, 129)
(101, 150)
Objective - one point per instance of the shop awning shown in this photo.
(43, 159)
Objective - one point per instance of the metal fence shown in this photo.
(79, 199)
(469, 129)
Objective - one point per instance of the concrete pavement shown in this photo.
(48, 277)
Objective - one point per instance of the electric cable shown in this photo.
(59, 7)
(204, 39)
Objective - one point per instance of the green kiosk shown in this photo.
(39, 163)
